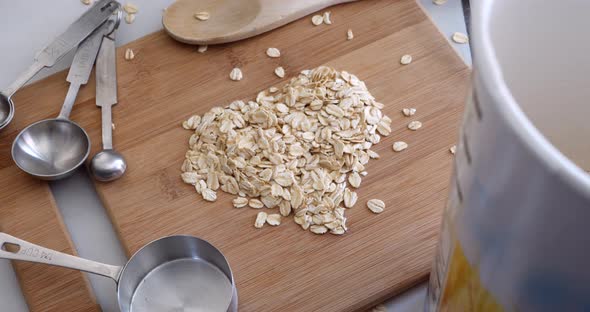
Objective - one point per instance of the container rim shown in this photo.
(486, 63)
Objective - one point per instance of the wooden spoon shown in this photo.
(232, 20)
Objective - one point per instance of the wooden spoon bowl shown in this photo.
(232, 20)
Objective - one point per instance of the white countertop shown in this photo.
(25, 27)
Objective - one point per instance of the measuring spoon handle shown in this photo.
(82, 66)
(17, 249)
(74, 34)
(106, 87)
(23, 78)
(77, 31)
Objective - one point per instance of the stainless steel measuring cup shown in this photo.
(173, 273)
(48, 56)
(53, 148)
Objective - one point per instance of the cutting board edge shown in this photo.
(449, 43)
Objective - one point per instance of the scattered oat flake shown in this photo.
(282, 108)
(459, 37)
(439, 2)
(255, 203)
(318, 229)
(354, 179)
(260, 219)
(414, 125)
(190, 177)
(349, 34)
(409, 112)
(129, 18)
(129, 55)
(379, 308)
(285, 208)
(327, 19)
(202, 48)
(87, 2)
(338, 231)
(453, 149)
(273, 219)
(376, 205)
(372, 154)
(130, 8)
(200, 186)
(240, 202)
(350, 198)
(273, 52)
(317, 20)
(236, 74)
(208, 194)
(399, 146)
(202, 16)
(112, 126)
(280, 72)
(384, 128)
(406, 59)
(334, 110)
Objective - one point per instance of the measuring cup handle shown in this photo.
(66, 108)
(17, 249)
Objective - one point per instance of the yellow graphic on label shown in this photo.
(463, 290)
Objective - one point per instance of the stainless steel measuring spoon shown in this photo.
(53, 148)
(53, 52)
(173, 273)
(108, 164)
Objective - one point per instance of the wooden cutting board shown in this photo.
(28, 211)
(285, 268)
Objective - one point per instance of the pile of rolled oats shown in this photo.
(293, 149)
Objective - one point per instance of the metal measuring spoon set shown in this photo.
(52, 53)
(52, 149)
(174, 273)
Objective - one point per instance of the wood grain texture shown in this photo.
(28, 211)
(234, 19)
(285, 268)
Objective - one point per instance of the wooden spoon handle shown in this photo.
(276, 13)
(233, 20)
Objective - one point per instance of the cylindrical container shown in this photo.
(516, 228)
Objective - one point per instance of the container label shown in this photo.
(454, 284)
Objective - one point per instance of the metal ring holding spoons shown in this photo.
(117, 21)
(52, 53)
(52, 149)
